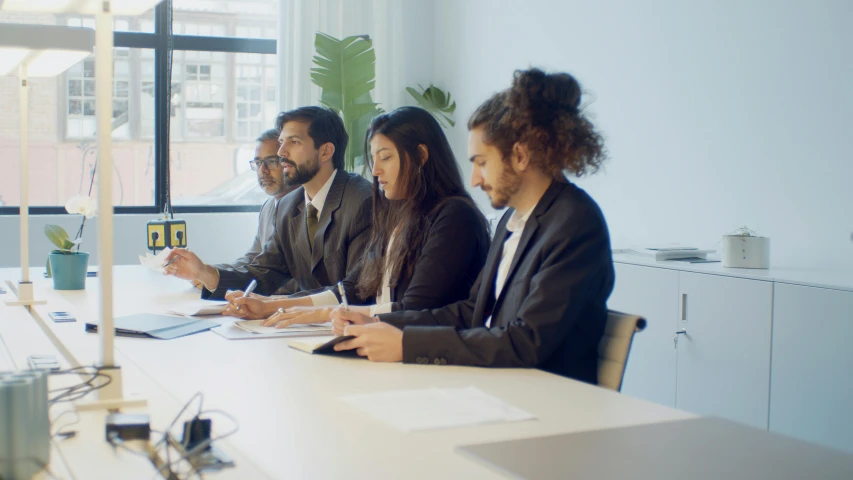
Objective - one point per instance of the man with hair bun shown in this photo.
(540, 300)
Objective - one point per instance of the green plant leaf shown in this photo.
(345, 70)
(436, 102)
(58, 236)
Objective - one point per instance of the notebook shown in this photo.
(152, 325)
(324, 344)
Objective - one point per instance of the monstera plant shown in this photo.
(346, 72)
(436, 102)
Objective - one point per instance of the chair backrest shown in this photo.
(615, 346)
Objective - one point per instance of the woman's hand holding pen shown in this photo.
(341, 318)
(285, 317)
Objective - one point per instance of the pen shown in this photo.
(343, 296)
(170, 261)
(249, 290)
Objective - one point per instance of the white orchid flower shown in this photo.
(82, 205)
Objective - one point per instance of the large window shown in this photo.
(223, 91)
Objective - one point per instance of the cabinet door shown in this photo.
(811, 393)
(652, 293)
(724, 359)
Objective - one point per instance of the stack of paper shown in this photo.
(410, 410)
(669, 252)
(254, 326)
(199, 308)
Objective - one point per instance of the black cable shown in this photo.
(78, 391)
(58, 431)
(165, 438)
(169, 54)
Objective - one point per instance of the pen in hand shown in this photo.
(249, 289)
(343, 296)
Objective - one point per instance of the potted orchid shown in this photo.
(67, 264)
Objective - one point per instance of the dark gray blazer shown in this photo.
(266, 229)
(552, 310)
(287, 265)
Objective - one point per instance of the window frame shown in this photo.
(159, 42)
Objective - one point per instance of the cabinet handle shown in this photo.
(683, 331)
(683, 307)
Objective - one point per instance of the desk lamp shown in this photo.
(36, 51)
(110, 397)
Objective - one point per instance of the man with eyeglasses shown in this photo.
(271, 180)
(321, 228)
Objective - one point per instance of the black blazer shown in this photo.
(287, 265)
(552, 310)
(448, 264)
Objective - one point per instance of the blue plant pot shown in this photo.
(69, 271)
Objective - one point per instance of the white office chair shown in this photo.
(615, 346)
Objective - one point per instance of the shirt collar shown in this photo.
(517, 221)
(320, 199)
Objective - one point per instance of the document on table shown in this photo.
(198, 308)
(412, 410)
(254, 326)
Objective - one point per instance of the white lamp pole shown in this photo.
(25, 180)
(25, 286)
(104, 117)
(111, 396)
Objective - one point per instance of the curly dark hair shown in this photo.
(543, 111)
(426, 187)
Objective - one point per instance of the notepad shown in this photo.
(432, 408)
(325, 344)
(254, 326)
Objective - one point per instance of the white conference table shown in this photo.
(292, 423)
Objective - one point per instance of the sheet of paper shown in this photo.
(254, 326)
(155, 262)
(197, 308)
(412, 410)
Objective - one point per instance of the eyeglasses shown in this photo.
(272, 163)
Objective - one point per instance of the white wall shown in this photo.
(216, 238)
(717, 114)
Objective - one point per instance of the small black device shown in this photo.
(43, 362)
(60, 317)
(126, 426)
(196, 431)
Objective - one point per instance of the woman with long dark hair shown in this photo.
(429, 240)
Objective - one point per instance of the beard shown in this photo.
(301, 174)
(508, 185)
(269, 184)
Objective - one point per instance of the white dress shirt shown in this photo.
(320, 198)
(514, 227)
(383, 301)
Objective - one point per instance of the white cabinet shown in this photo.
(650, 292)
(724, 359)
(811, 390)
(767, 348)
(722, 365)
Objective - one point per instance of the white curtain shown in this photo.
(299, 20)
